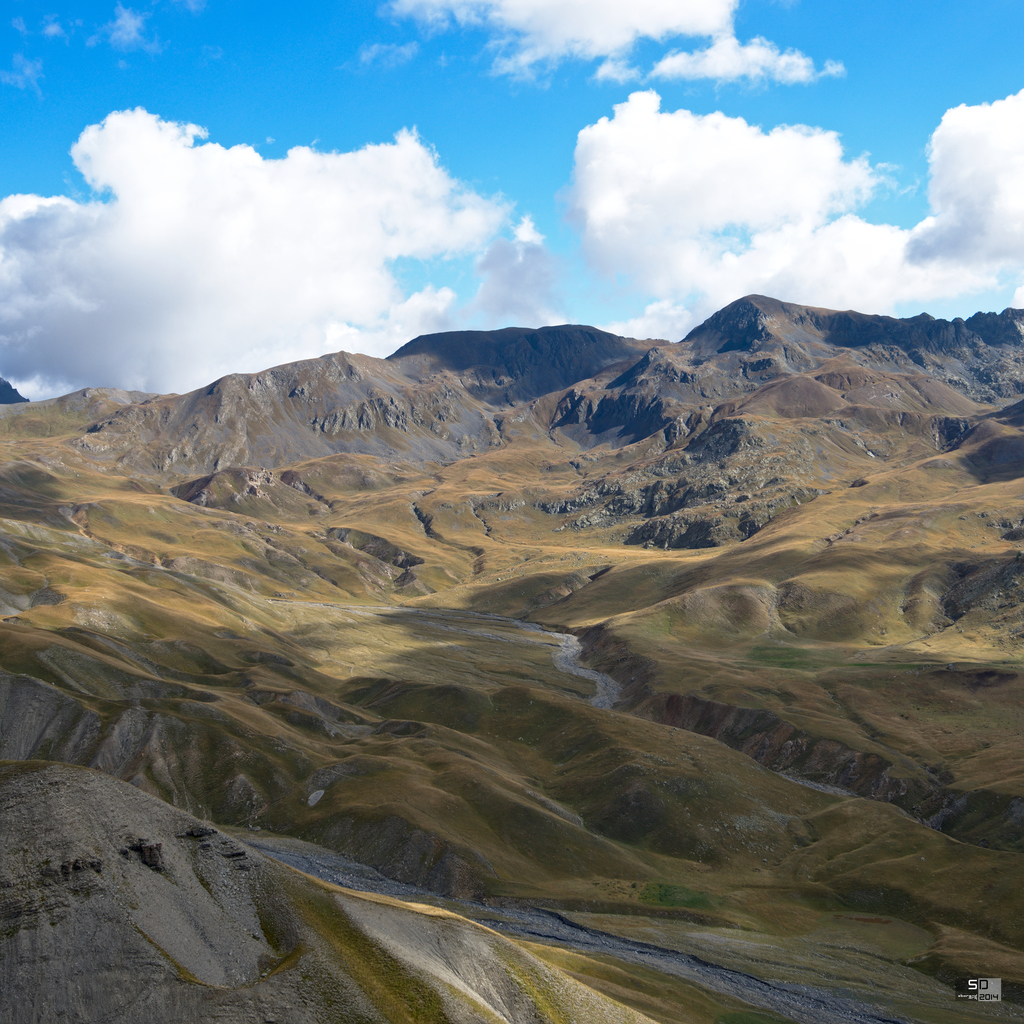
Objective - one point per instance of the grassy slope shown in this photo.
(199, 618)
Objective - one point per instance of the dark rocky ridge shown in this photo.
(982, 357)
(9, 395)
(517, 364)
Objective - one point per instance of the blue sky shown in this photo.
(173, 258)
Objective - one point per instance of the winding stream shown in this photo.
(801, 1003)
(804, 1004)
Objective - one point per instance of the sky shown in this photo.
(190, 188)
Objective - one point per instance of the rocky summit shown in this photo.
(525, 675)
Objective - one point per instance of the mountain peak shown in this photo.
(517, 364)
(9, 395)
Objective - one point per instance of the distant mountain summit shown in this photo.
(9, 395)
(982, 356)
(444, 397)
(517, 364)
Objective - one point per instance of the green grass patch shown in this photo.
(659, 895)
(48, 421)
(791, 657)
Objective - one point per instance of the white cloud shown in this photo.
(697, 210)
(529, 33)
(18, 24)
(615, 69)
(727, 59)
(551, 29)
(389, 55)
(976, 191)
(127, 32)
(52, 28)
(519, 281)
(205, 260)
(24, 73)
(662, 319)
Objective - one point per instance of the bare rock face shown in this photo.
(307, 409)
(117, 907)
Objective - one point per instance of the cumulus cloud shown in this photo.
(545, 29)
(727, 60)
(662, 319)
(519, 281)
(528, 33)
(618, 70)
(195, 260)
(976, 188)
(697, 210)
(24, 73)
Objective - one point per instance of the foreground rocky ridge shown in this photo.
(115, 906)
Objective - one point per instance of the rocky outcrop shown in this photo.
(783, 747)
(996, 585)
(116, 907)
(376, 546)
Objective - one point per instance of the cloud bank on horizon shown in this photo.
(194, 258)
(703, 209)
(191, 259)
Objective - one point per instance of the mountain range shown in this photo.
(714, 645)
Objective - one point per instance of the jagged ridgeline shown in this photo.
(686, 642)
